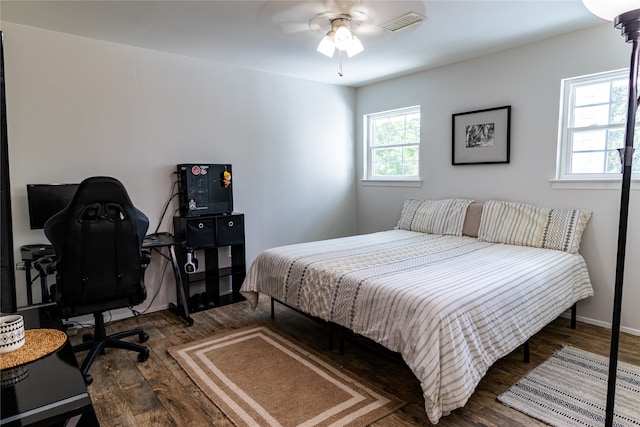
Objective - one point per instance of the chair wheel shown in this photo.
(143, 337)
(144, 355)
(88, 379)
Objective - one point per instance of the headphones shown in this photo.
(192, 263)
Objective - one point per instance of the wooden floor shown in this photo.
(158, 392)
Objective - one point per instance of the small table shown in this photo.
(53, 391)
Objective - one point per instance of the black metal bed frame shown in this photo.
(344, 332)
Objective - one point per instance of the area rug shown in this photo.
(570, 389)
(259, 377)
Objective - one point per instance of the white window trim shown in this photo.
(592, 184)
(389, 181)
(401, 182)
(564, 180)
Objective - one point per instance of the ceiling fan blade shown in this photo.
(344, 6)
(294, 27)
(369, 29)
(291, 17)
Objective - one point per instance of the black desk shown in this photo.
(156, 241)
(30, 254)
(53, 390)
(160, 240)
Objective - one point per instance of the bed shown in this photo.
(453, 288)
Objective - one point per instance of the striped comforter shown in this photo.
(451, 306)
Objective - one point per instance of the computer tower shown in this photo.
(205, 189)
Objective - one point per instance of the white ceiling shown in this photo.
(275, 36)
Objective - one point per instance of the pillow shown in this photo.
(434, 216)
(472, 220)
(526, 225)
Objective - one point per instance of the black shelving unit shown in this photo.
(209, 233)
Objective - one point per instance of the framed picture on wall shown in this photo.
(481, 136)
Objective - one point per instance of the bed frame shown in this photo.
(470, 228)
(342, 331)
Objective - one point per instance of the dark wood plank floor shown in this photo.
(158, 392)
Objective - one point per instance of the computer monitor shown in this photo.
(46, 200)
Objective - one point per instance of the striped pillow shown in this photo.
(434, 216)
(526, 225)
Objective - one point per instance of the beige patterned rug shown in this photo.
(570, 389)
(259, 377)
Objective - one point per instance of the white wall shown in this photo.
(528, 79)
(78, 107)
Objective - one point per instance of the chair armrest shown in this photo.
(145, 258)
(45, 265)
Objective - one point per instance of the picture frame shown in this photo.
(481, 136)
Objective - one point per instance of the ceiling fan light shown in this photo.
(326, 46)
(343, 37)
(355, 47)
(611, 8)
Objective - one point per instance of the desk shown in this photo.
(53, 390)
(29, 254)
(160, 240)
(155, 241)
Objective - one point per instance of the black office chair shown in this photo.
(100, 263)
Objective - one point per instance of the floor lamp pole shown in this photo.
(629, 23)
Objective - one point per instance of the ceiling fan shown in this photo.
(342, 25)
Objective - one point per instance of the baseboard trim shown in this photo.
(602, 324)
(111, 316)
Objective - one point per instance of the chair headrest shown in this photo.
(98, 197)
(100, 189)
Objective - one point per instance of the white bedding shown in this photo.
(451, 306)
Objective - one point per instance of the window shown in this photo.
(594, 114)
(392, 145)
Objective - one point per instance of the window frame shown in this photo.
(368, 120)
(566, 129)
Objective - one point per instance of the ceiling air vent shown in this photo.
(403, 22)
